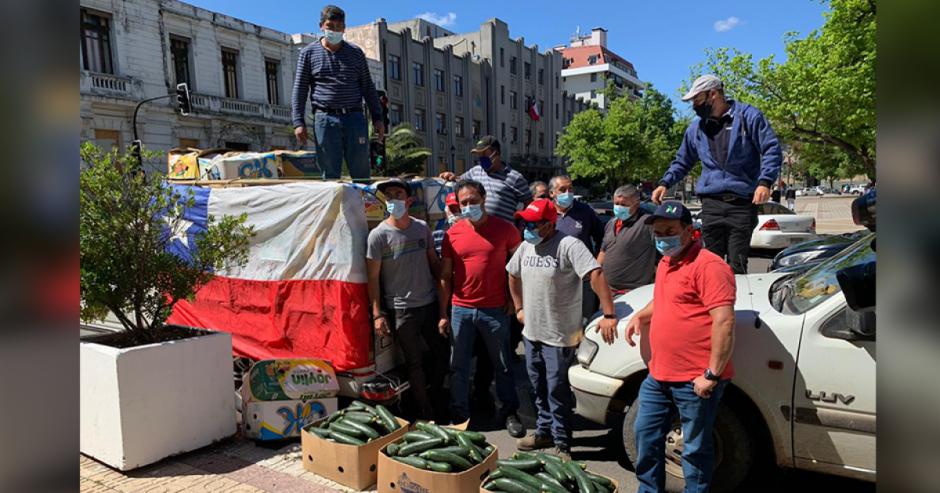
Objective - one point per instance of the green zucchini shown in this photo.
(551, 487)
(512, 486)
(417, 436)
(361, 406)
(584, 484)
(517, 475)
(454, 460)
(418, 447)
(390, 422)
(601, 480)
(556, 471)
(437, 431)
(599, 488)
(392, 449)
(522, 464)
(363, 418)
(346, 439)
(548, 457)
(458, 450)
(474, 436)
(413, 461)
(333, 417)
(488, 451)
(547, 478)
(348, 430)
(475, 454)
(439, 466)
(366, 430)
(491, 486)
(320, 432)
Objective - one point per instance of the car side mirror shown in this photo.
(858, 286)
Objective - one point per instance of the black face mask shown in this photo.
(703, 110)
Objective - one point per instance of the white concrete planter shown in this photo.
(142, 404)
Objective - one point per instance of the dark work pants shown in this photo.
(424, 348)
(483, 377)
(727, 229)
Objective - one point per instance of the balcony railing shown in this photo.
(243, 108)
(110, 85)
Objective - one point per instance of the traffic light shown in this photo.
(182, 99)
(135, 151)
(383, 98)
(377, 154)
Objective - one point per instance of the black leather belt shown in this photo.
(341, 111)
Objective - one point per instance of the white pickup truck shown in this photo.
(804, 391)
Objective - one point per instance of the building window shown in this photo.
(513, 134)
(594, 77)
(394, 67)
(502, 57)
(528, 137)
(458, 85)
(230, 72)
(541, 76)
(502, 128)
(592, 60)
(458, 126)
(96, 43)
(556, 111)
(419, 119)
(417, 71)
(476, 130)
(566, 62)
(502, 94)
(107, 139)
(541, 109)
(512, 65)
(541, 140)
(271, 69)
(189, 143)
(439, 80)
(179, 53)
(527, 70)
(556, 81)
(593, 93)
(441, 123)
(512, 100)
(395, 113)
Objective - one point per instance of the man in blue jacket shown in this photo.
(741, 158)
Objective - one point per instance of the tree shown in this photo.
(635, 140)
(610, 92)
(404, 151)
(826, 163)
(824, 94)
(128, 221)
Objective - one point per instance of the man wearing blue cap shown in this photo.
(741, 159)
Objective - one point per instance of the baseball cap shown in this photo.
(671, 210)
(703, 83)
(395, 182)
(486, 141)
(451, 200)
(538, 210)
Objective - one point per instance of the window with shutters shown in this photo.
(179, 53)
(230, 72)
(96, 43)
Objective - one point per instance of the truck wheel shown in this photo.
(734, 449)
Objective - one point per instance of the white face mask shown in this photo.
(397, 208)
(333, 37)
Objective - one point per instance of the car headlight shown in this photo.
(587, 350)
(800, 258)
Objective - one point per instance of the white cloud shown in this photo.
(726, 24)
(446, 20)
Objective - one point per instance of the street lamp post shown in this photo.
(453, 159)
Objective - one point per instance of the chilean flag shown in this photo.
(535, 112)
(303, 292)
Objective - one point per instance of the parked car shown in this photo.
(804, 392)
(857, 189)
(779, 227)
(810, 253)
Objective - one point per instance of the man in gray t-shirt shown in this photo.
(545, 277)
(401, 260)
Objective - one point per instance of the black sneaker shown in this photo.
(515, 427)
(563, 451)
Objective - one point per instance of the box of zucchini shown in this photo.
(537, 472)
(436, 459)
(345, 446)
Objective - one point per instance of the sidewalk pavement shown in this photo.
(234, 465)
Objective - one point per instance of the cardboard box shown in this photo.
(189, 164)
(299, 163)
(239, 165)
(280, 397)
(614, 481)
(396, 477)
(348, 465)
(277, 420)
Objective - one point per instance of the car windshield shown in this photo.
(799, 294)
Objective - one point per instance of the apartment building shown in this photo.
(588, 65)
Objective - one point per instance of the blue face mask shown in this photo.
(564, 200)
(472, 212)
(532, 236)
(486, 163)
(622, 212)
(669, 245)
(333, 37)
(397, 208)
(452, 219)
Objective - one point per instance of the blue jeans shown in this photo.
(548, 372)
(341, 137)
(659, 402)
(493, 326)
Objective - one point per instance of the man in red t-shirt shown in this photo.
(473, 268)
(691, 337)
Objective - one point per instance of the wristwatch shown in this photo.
(711, 376)
(612, 317)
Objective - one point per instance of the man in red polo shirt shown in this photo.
(691, 337)
(473, 268)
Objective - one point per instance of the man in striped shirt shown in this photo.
(335, 75)
(505, 187)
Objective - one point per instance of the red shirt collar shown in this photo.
(690, 256)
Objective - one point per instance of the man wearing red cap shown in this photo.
(545, 277)
(452, 210)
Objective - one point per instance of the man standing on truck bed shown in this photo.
(335, 74)
(401, 255)
(741, 159)
(473, 268)
(691, 337)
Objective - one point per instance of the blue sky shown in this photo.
(662, 39)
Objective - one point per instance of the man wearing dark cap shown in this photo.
(335, 75)
(741, 159)
(691, 337)
(545, 276)
(505, 187)
(401, 257)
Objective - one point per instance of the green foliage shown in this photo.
(610, 92)
(635, 140)
(404, 151)
(824, 94)
(127, 220)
